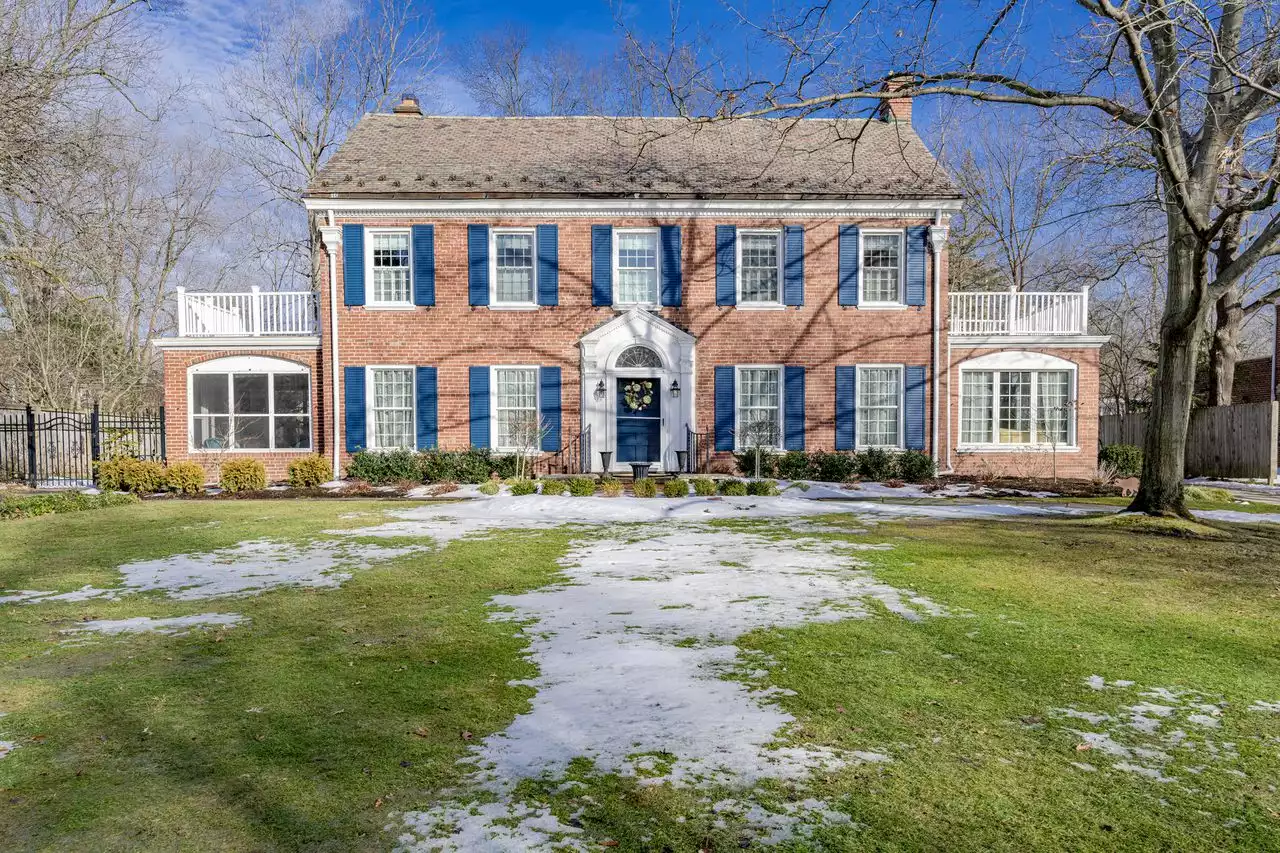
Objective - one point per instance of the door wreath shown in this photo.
(637, 395)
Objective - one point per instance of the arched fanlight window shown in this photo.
(638, 356)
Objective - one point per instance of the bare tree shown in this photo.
(311, 74)
(1180, 78)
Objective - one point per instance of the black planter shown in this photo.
(606, 458)
(640, 470)
(682, 461)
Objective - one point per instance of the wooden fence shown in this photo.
(1223, 441)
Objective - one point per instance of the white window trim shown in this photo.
(901, 301)
(370, 425)
(996, 446)
(657, 290)
(782, 405)
(240, 367)
(902, 406)
(493, 404)
(406, 304)
(772, 304)
(494, 302)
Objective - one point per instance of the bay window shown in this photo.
(250, 403)
(1017, 407)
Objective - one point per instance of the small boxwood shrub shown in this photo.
(382, 467)
(733, 488)
(833, 467)
(747, 462)
(703, 486)
(309, 471)
(1125, 459)
(610, 487)
(185, 478)
(676, 488)
(795, 465)
(877, 465)
(763, 488)
(582, 487)
(30, 506)
(474, 465)
(243, 475)
(644, 488)
(522, 486)
(489, 487)
(554, 487)
(915, 466)
(127, 474)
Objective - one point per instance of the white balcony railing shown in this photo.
(1014, 313)
(243, 315)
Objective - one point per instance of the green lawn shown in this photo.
(331, 709)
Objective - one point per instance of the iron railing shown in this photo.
(252, 314)
(59, 449)
(573, 458)
(1015, 313)
(699, 445)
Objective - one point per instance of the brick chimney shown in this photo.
(408, 106)
(895, 109)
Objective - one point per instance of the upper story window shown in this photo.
(391, 405)
(515, 408)
(635, 266)
(759, 407)
(389, 266)
(513, 267)
(759, 267)
(250, 403)
(879, 406)
(881, 268)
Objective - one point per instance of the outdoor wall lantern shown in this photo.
(600, 389)
(675, 388)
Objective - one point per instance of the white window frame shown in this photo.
(1035, 366)
(493, 404)
(902, 406)
(234, 366)
(738, 446)
(901, 234)
(777, 234)
(370, 416)
(657, 290)
(370, 289)
(494, 302)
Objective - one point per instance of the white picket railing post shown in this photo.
(255, 311)
(182, 312)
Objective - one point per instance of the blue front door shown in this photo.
(639, 408)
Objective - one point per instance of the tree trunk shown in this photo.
(1224, 349)
(1164, 449)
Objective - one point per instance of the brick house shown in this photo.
(641, 287)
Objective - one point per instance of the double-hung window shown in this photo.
(250, 411)
(636, 266)
(759, 407)
(391, 407)
(514, 260)
(515, 408)
(389, 263)
(881, 268)
(1016, 407)
(879, 406)
(759, 267)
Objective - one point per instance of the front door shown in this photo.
(639, 408)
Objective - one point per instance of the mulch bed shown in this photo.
(1066, 487)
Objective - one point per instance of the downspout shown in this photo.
(333, 340)
(937, 240)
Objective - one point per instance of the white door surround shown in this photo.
(601, 348)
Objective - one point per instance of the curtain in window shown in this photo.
(881, 265)
(879, 406)
(391, 267)
(393, 408)
(976, 394)
(516, 407)
(759, 409)
(759, 267)
(637, 266)
(514, 267)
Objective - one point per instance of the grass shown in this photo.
(330, 708)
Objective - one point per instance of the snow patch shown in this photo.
(176, 625)
(1264, 707)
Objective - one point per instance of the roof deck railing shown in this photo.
(1019, 313)
(246, 315)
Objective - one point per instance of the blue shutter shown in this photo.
(914, 405)
(427, 406)
(726, 266)
(672, 277)
(793, 413)
(548, 265)
(726, 397)
(424, 264)
(793, 265)
(478, 263)
(479, 407)
(846, 402)
(916, 285)
(353, 389)
(849, 264)
(549, 404)
(601, 265)
(353, 264)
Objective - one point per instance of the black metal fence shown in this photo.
(55, 449)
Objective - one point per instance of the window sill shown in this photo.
(227, 450)
(1015, 448)
(883, 306)
(514, 307)
(396, 306)
(627, 306)
(761, 306)
(893, 448)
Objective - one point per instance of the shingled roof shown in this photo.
(414, 156)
